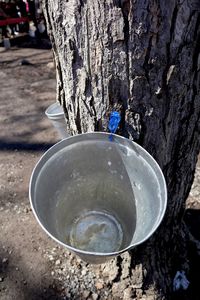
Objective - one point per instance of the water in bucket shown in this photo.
(89, 214)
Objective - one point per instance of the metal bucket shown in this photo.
(55, 114)
(98, 197)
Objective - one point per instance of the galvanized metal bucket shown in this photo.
(98, 197)
(55, 114)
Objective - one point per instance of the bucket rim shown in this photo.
(89, 253)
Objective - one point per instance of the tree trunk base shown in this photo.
(132, 275)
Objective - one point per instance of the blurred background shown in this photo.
(22, 21)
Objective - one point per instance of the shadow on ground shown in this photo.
(23, 146)
(9, 272)
(25, 41)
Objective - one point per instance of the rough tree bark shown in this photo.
(139, 57)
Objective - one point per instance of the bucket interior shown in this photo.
(95, 195)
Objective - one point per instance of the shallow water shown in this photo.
(96, 231)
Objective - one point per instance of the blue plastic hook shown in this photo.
(113, 123)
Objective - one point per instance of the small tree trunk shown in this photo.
(142, 59)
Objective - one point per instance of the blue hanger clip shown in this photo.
(113, 123)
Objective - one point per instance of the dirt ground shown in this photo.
(32, 266)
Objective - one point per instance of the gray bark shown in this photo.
(141, 58)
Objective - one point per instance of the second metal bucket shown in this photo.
(55, 114)
(98, 197)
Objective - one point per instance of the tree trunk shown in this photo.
(142, 59)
